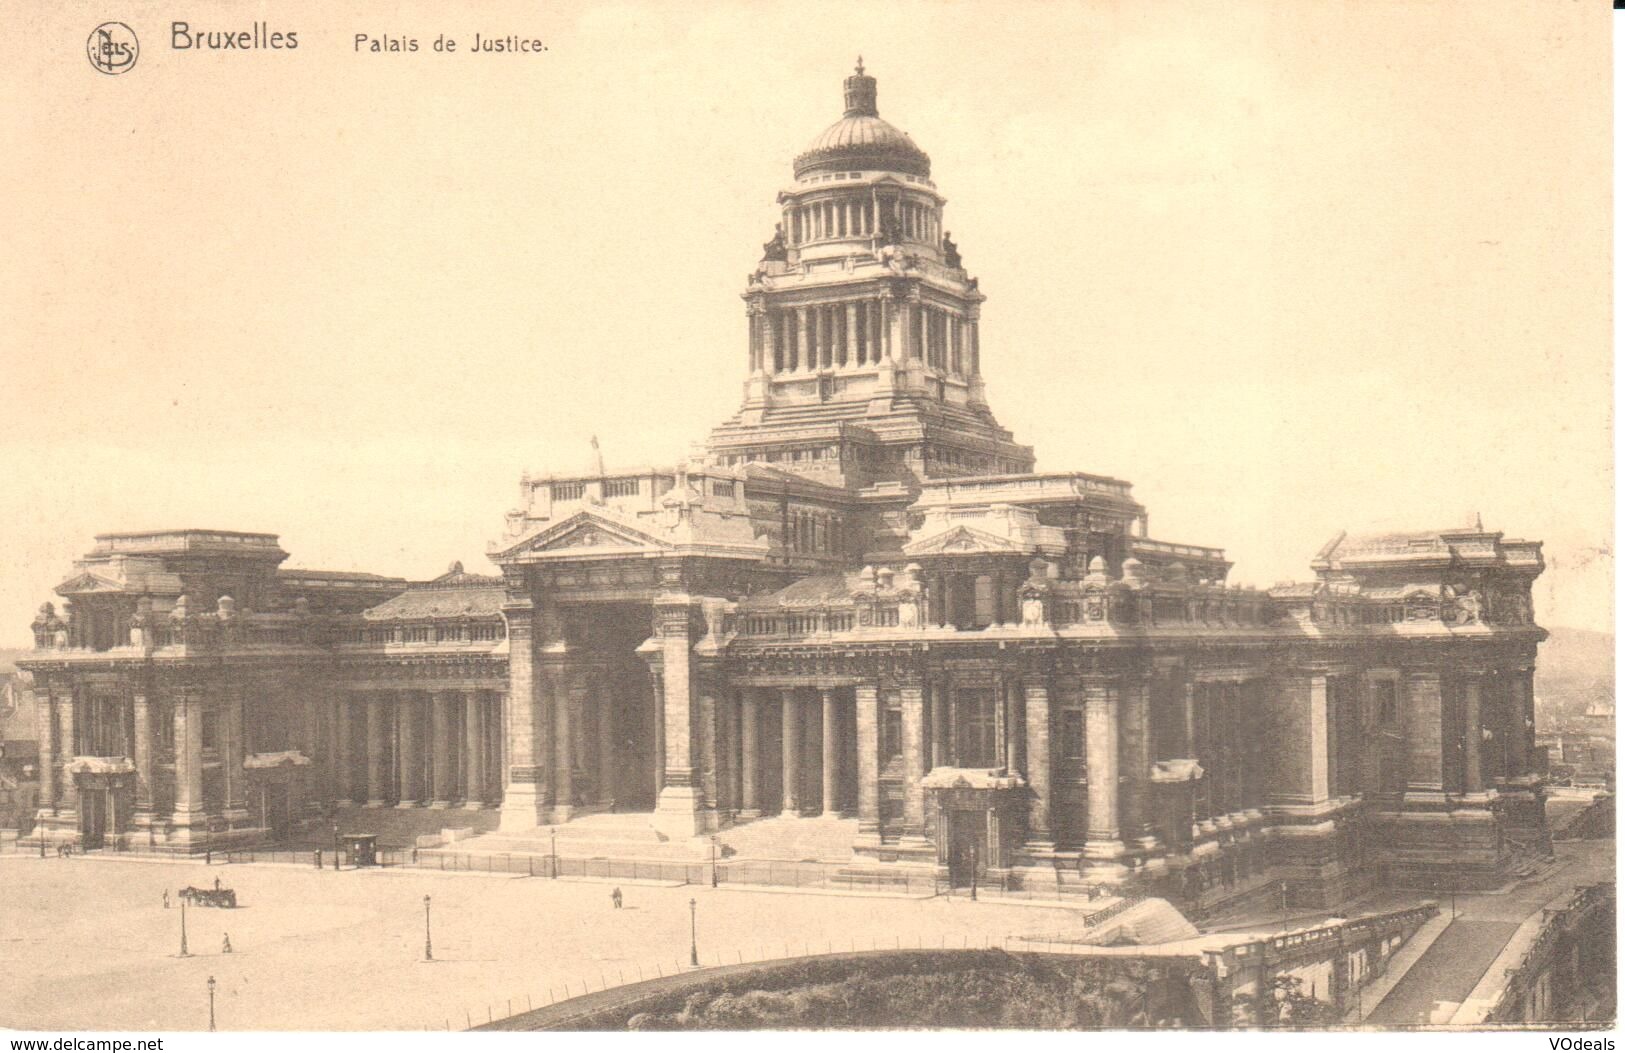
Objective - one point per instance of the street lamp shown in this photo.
(973, 862)
(211, 1003)
(693, 934)
(335, 845)
(428, 948)
(184, 952)
(553, 849)
(713, 861)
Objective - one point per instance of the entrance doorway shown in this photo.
(611, 634)
(94, 809)
(967, 846)
(277, 808)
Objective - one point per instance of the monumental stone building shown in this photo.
(861, 601)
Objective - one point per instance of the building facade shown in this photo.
(861, 601)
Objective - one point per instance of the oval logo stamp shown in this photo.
(112, 48)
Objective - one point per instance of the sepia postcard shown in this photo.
(759, 517)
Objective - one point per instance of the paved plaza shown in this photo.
(86, 944)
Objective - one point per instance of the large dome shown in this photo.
(861, 140)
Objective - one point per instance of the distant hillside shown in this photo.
(1575, 669)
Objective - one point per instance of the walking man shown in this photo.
(225, 944)
(615, 897)
(166, 899)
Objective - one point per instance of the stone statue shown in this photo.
(775, 249)
(1032, 611)
(908, 614)
(950, 251)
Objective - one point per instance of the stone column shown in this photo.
(49, 759)
(564, 797)
(852, 333)
(749, 760)
(1471, 735)
(143, 758)
(941, 750)
(1100, 754)
(604, 699)
(1302, 768)
(409, 773)
(913, 699)
(1036, 689)
(344, 755)
(444, 740)
(376, 717)
(1424, 733)
(832, 756)
(803, 349)
(233, 754)
(710, 784)
(188, 757)
(659, 705)
(790, 739)
(473, 749)
(680, 810)
(868, 727)
(1134, 703)
(523, 761)
(319, 776)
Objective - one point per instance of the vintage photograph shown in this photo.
(615, 517)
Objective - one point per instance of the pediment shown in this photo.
(961, 539)
(80, 584)
(586, 532)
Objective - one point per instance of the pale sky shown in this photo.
(1289, 268)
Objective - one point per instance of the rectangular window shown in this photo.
(1387, 692)
(722, 487)
(569, 491)
(974, 709)
(891, 740)
(620, 488)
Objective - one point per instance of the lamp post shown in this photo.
(973, 861)
(693, 934)
(713, 862)
(211, 1003)
(184, 952)
(336, 847)
(553, 849)
(428, 947)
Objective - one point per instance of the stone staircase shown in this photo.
(1147, 922)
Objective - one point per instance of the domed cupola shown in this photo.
(860, 140)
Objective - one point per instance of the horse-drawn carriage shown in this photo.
(209, 897)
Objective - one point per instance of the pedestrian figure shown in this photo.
(225, 944)
(217, 884)
(166, 899)
(615, 897)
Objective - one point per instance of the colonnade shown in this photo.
(854, 217)
(859, 333)
(814, 733)
(413, 748)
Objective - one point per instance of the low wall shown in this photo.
(901, 989)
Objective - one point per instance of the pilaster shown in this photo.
(524, 799)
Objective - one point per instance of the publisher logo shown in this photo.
(112, 48)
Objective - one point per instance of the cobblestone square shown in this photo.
(87, 943)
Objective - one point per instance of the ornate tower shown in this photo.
(864, 351)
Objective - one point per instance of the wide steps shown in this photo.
(1148, 922)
